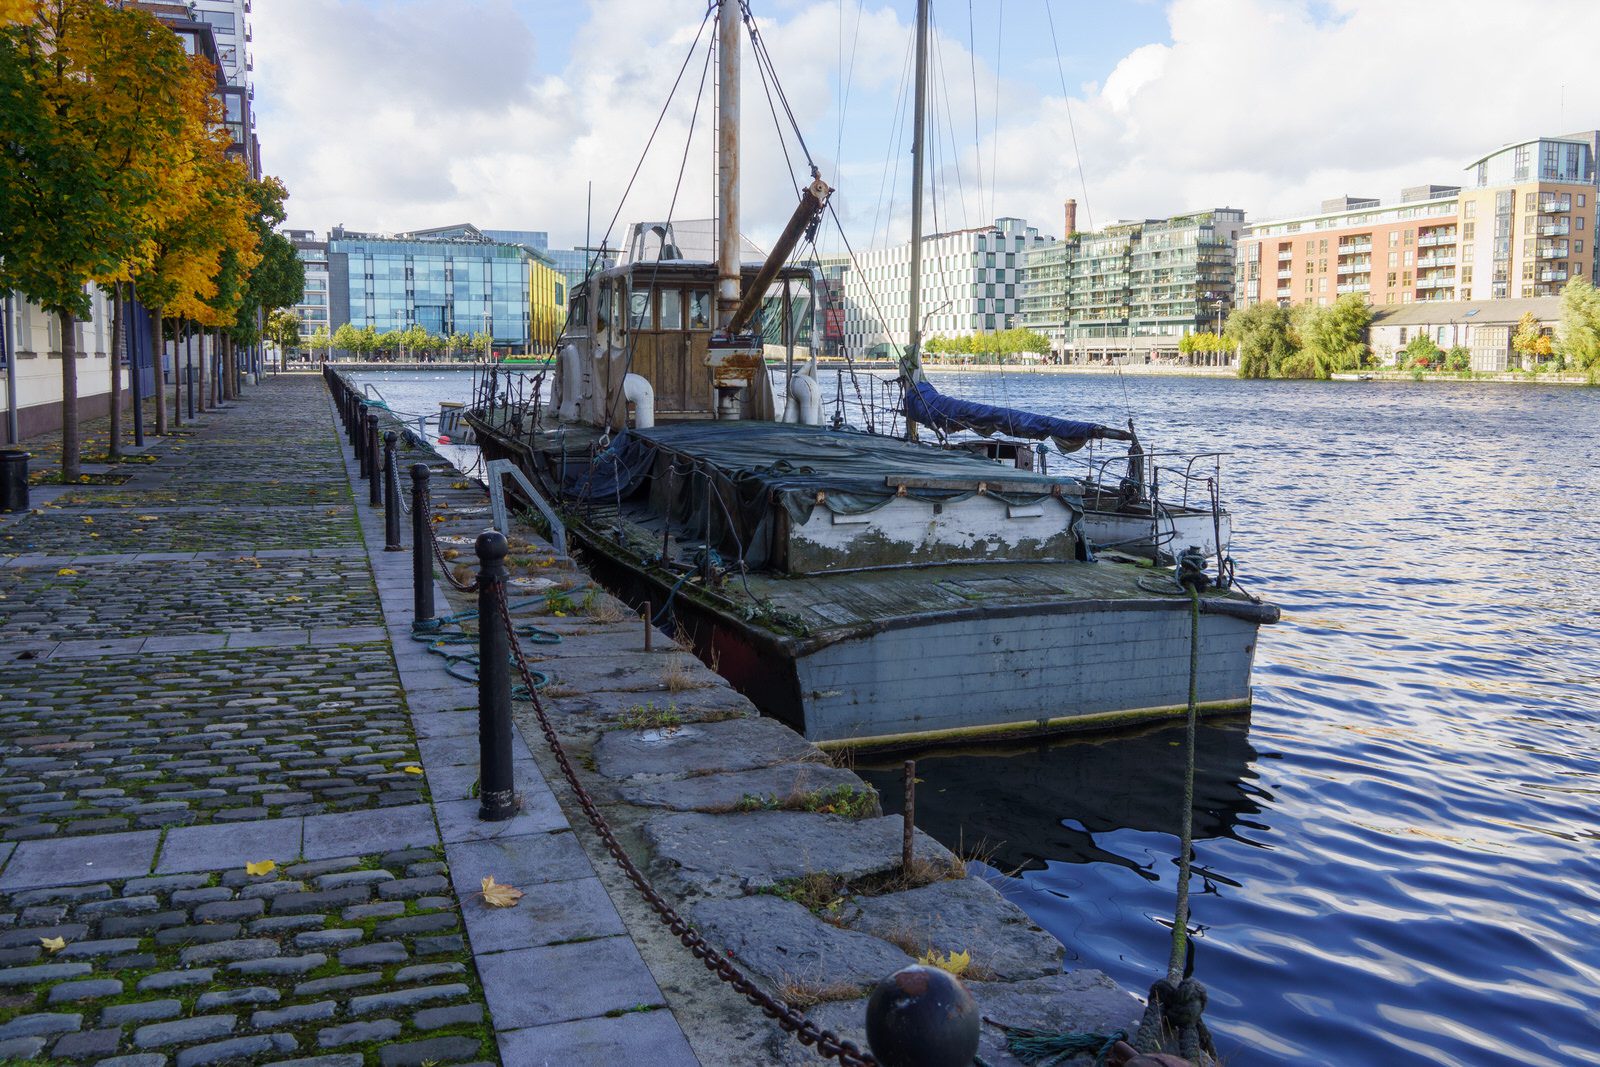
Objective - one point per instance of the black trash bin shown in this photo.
(13, 480)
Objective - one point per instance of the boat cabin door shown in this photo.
(669, 326)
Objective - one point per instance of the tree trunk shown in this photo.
(177, 379)
(159, 347)
(200, 382)
(114, 445)
(69, 398)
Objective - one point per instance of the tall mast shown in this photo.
(912, 368)
(727, 160)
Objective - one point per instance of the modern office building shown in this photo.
(971, 283)
(451, 279)
(1130, 291)
(576, 263)
(1522, 225)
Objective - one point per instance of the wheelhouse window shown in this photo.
(671, 309)
(639, 309)
(700, 309)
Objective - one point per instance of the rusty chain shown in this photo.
(438, 553)
(808, 1033)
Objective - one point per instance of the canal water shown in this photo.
(1397, 854)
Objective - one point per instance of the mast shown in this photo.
(911, 362)
(727, 160)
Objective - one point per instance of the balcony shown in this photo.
(1433, 240)
(1283, 290)
(1437, 281)
(1552, 276)
(1356, 287)
(1354, 247)
(1436, 261)
(1284, 275)
(1554, 228)
(1285, 255)
(1355, 267)
(1553, 206)
(1557, 251)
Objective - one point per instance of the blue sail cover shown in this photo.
(927, 405)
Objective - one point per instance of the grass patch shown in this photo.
(802, 994)
(649, 717)
(845, 800)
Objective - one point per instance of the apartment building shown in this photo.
(312, 310)
(1522, 226)
(1132, 290)
(971, 283)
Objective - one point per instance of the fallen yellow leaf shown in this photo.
(53, 945)
(260, 867)
(499, 896)
(65, 572)
(412, 769)
(955, 962)
(147, 518)
(88, 520)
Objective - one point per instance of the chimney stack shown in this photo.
(1071, 218)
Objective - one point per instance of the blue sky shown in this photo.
(382, 114)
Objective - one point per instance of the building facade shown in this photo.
(312, 310)
(971, 284)
(576, 263)
(1484, 327)
(1132, 290)
(452, 279)
(1522, 226)
(219, 32)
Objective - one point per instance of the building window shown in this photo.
(1394, 261)
(1472, 205)
(1408, 257)
(1394, 238)
(1577, 247)
(1402, 335)
(1468, 229)
(1392, 277)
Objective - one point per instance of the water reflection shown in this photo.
(1006, 805)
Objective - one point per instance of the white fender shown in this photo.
(805, 396)
(638, 391)
(569, 371)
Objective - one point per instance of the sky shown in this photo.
(388, 115)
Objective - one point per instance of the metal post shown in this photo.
(391, 496)
(910, 817)
(138, 341)
(922, 1015)
(188, 369)
(374, 461)
(421, 546)
(496, 793)
(360, 434)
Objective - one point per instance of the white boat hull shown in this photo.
(1139, 535)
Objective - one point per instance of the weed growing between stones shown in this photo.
(844, 800)
(649, 717)
(802, 994)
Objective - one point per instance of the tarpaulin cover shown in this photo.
(752, 467)
(927, 405)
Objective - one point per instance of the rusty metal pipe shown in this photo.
(812, 201)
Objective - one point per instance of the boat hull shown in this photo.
(1139, 535)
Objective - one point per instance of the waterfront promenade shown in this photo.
(203, 671)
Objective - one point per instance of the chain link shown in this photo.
(826, 1042)
(438, 553)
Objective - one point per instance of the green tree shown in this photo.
(283, 329)
(1579, 331)
(1421, 353)
(1331, 338)
(89, 102)
(413, 337)
(349, 338)
(1264, 335)
(321, 338)
(481, 343)
(1458, 358)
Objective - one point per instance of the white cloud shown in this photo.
(390, 117)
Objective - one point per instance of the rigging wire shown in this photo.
(891, 150)
(994, 145)
(977, 136)
(1072, 125)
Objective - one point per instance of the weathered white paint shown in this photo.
(1055, 663)
(981, 527)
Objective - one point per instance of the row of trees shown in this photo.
(412, 341)
(1306, 341)
(114, 172)
(997, 346)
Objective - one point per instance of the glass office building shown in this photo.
(453, 280)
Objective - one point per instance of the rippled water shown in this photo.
(1396, 854)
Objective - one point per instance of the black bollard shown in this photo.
(391, 496)
(922, 1017)
(358, 436)
(421, 546)
(374, 462)
(497, 796)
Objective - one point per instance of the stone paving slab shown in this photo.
(205, 848)
(596, 977)
(651, 1037)
(351, 833)
(173, 529)
(75, 860)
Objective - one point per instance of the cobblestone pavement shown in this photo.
(169, 528)
(358, 960)
(196, 675)
(202, 736)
